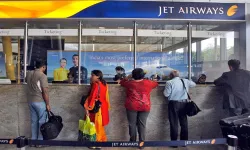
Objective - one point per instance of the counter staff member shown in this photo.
(74, 70)
(120, 73)
(177, 96)
(60, 74)
(38, 98)
(236, 87)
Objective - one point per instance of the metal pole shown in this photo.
(189, 34)
(79, 51)
(232, 142)
(25, 54)
(135, 42)
(21, 143)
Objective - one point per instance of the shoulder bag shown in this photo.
(191, 108)
(51, 129)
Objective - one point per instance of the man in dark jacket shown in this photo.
(74, 70)
(236, 85)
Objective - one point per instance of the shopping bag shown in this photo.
(87, 131)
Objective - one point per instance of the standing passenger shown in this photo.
(138, 102)
(38, 98)
(99, 91)
(177, 96)
(236, 84)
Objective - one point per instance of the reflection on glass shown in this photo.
(47, 41)
(212, 47)
(11, 68)
(162, 48)
(107, 45)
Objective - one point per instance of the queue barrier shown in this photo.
(22, 142)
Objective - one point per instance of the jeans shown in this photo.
(137, 119)
(176, 112)
(38, 118)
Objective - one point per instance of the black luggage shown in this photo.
(238, 126)
(244, 136)
(231, 124)
(51, 129)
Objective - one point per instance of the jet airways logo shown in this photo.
(232, 10)
(163, 10)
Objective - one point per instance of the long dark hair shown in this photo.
(100, 75)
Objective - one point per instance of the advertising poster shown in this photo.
(152, 63)
(2, 66)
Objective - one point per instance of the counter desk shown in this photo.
(64, 99)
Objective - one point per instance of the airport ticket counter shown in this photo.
(193, 38)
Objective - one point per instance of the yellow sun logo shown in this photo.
(232, 10)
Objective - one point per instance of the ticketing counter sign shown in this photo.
(122, 9)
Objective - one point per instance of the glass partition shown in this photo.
(162, 48)
(107, 45)
(51, 41)
(212, 47)
(11, 64)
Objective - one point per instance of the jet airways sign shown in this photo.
(195, 10)
(164, 10)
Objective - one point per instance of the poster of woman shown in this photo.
(61, 74)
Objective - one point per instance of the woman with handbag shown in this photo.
(97, 104)
(138, 102)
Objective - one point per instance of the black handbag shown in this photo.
(51, 129)
(191, 108)
(83, 100)
(98, 103)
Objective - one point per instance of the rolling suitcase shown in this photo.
(244, 136)
(230, 125)
(238, 126)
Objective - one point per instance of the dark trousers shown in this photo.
(137, 119)
(176, 112)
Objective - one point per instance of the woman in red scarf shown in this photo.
(99, 89)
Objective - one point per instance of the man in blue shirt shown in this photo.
(177, 96)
